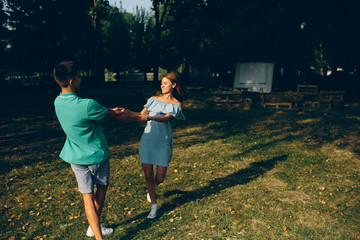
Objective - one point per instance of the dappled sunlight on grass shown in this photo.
(234, 175)
(307, 121)
(188, 137)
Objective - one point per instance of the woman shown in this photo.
(156, 144)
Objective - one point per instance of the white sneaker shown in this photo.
(153, 211)
(148, 197)
(104, 231)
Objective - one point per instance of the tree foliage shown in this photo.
(206, 34)
(142, 50)
(42, 32)
(117, 40)
(3, 41)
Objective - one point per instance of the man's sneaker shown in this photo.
(153, 211)
(104, 231)
(148, 197)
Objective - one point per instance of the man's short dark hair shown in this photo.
(65, 71)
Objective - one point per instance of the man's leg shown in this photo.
(100, 198)
(93, 203)
(92, 215)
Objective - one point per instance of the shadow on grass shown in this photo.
(26, 141)
(240, 177)
(209, 125)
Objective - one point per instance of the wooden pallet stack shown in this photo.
(280, 100)
(331, 99)
(230, 100)
(310, 99)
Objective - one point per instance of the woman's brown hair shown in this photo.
(174, 78)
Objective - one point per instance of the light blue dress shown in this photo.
(156, 144)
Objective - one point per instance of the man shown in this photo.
(85, 147)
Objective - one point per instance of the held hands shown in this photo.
(143, 118)
(145, 115)
(127, 115)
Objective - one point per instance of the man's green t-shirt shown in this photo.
(80, 119)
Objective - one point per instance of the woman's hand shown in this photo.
(144, 112)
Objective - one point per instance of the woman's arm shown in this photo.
(144, 112)
(126, 115)
(165, 118)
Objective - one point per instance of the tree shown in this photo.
(100, 14)
(160, 9)
(219, 33)
(142, 51)
(117, 40)
(319, 34)
(3, 42)
(212, 34)
(182, 35)
(44, 32)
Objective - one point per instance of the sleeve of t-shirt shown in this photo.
(96, 111)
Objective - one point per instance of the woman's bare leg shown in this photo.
(150, 181)
(160, 175)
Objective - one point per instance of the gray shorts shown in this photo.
(88, 175)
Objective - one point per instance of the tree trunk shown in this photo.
(156, 5)
(98, 77)
(186, 75)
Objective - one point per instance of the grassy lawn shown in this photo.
(256, 174)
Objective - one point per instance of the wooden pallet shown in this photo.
(230, 100)
(331, 99)
(308, 89)
(310, 104)
(244, 105)
(278, 105)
